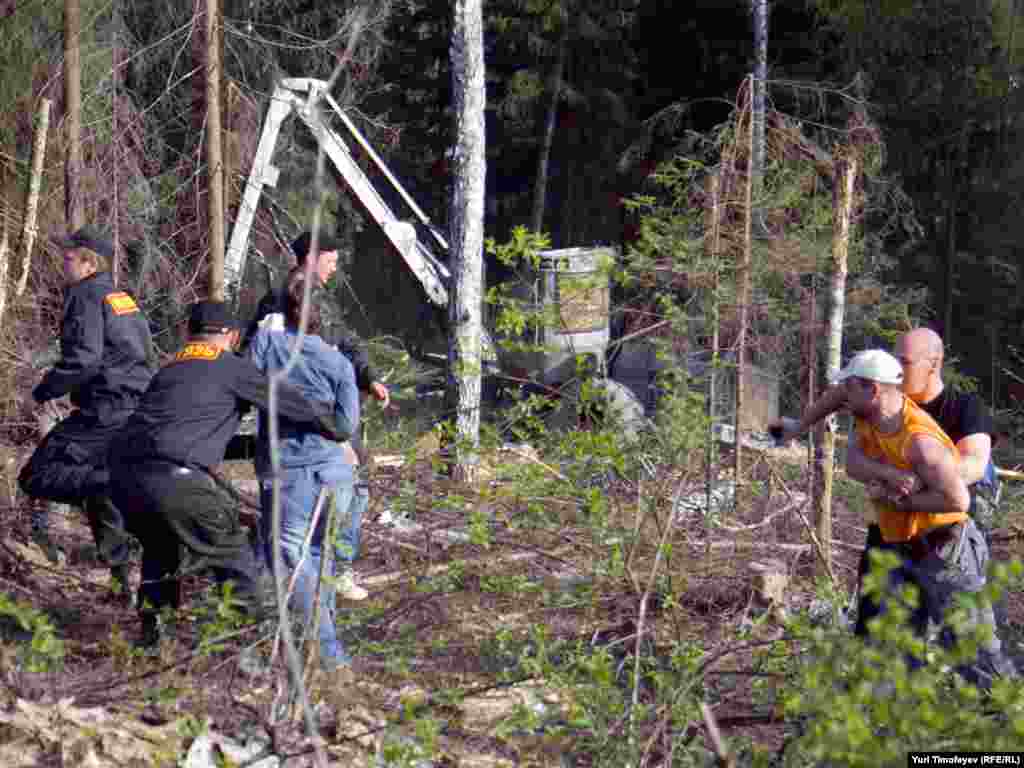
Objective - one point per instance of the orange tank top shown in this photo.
(899, 525)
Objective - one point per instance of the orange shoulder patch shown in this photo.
(198, 350)
(121, 303)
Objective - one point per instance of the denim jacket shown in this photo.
(322, 374)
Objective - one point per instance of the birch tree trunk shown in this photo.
(214, 162)
(759, 10)
(73, 210)
(28, 235)
(540, 184)
(467, 234)
(825, 447)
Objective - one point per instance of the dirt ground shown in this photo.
(413, 610)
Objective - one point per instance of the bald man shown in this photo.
(941, 551)
(962, 415)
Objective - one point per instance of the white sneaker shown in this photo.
(348, 588)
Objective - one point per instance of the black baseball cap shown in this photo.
(211, 316)
(87, 237)
(302, 243)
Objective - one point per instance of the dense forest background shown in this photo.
(624, 85)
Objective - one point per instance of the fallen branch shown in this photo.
(818, 548)
(540, 463)
(730, 544)
(398, 543)
(761, 524)
(723, 758)
(488, 559)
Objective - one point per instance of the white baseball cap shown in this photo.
(874, 365)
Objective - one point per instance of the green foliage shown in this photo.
(221, 615)
(40, 650)
(859, 14)
(31, 31)
(860, 704)
(192, 727)
(26, 32)
(516, 312)
(683, 271)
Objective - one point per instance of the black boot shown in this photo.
(41, 538)
(120, 585)
(152, 633)
(113, 543)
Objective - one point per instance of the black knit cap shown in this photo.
(211, 316)
(87, 237)
(302, 243)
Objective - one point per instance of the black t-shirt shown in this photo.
(960, 414)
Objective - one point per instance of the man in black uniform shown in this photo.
(106, 363)
(161, 460)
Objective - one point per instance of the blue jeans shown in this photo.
(350, 523)
(300, 488)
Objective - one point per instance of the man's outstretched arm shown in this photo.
(831, 400)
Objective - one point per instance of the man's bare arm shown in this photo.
(831, 400)
(945, 490)
(870, 471)
(975, 453)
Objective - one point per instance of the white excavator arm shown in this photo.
(305, 97)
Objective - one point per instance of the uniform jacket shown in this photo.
(193, 406)
(106, 348)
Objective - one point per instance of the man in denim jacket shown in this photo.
(314, 473)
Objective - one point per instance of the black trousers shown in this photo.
(185, 522)
(70, 467)
(942, 563)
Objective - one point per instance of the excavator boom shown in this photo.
(306, 97)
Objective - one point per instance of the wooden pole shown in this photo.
(28, 233)
(73, 209)
(214, 158)
(825, 454)
(812, 375)
(713, 229)
(4, 257)
(743, 293)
